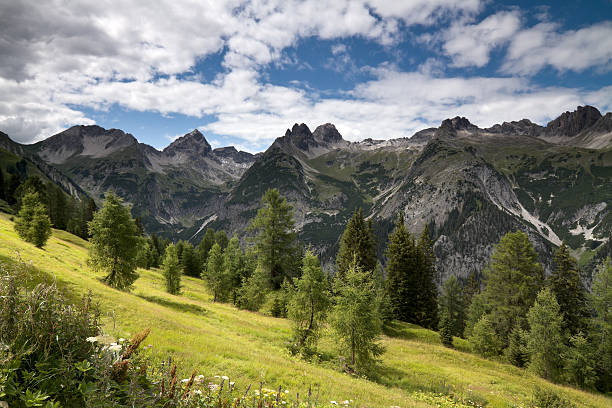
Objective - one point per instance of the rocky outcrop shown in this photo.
(569, 124)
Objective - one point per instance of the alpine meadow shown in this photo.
(437, 235)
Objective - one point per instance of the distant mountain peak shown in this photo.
(191, 143)
(327, 133)
(458, 123)
(523, 127)
(569, 124)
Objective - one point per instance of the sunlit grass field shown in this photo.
(218, 339)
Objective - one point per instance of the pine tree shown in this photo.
(451, 304)
(484, 339)
(569, 292)
(172, 270)
(114, 243)
(445, 327)
(356, 317)
(33, 224)
(478, 308)
(139, 226)
(470, 288)
(580, 362)
(275, 236)
(221, 239)
(513, 279)
(254, 289)
(205, 244)
(402, 283)
(602, 304)
(190, 262)
(235, 266)
(358, 242)
(516, 353)
(89, 210)
(309, 302)
(14, 181)
(215, 274)
(545, 343)
(427, 300)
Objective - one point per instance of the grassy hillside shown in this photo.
(218, 339)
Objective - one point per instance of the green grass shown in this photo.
(218, 339)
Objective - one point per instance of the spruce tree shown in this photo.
(357, 242)
(516, 353)
(215, 274)
(601, 302)
(451, 304)
(513, 279)
(445, 328)
(580, 362)
(205, 244)
(402, 283)
(190, 262)
(568, 290)
(89, 210)
(545, 343)
(33, 224)
(356, 317)
(275, 237)
(171, 268)
(221, 238)
(471, 287)
(427, 300)
(309, 302)
(235, 267)
(114, 243)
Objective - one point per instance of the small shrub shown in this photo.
(546, 398)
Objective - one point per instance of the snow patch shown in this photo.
(204, 224)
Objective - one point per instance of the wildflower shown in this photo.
(346, 402)
(115, 347)
(225, 377)
(333, 402)
(232, 383)
(286, 391)
(92, 339)
(212, 386)
(184, 380)
(216, 376)
(121, 340)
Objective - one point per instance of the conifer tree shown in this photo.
(309, 302)
(513, 279)
(254, 289)
(470, 288)
(545, 343)
(172, 270)
(190, 262)
(580, 362)
(275, 237)
(215, 274)
(358, 243)
(356, 317)
(114, 243)
(484, 339)
(602, 304)
(402, 283)
(88, 212)
(568, 290)
(221, 238)
(205, 244)
(427, 300)
(445, 328)
(451, 304)
(33, 224)
(235, 266)
(516, 353)
(2, 186)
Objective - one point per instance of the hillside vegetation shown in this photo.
(218, 339)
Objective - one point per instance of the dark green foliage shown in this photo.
(254, 289)
(445, 327)
(190, 261)
(275, 237)
(215, 275)
(33, 224)
(58, 211)
(172, 270)
(89, 210)
(516, 353)
(114, 243)
(483, 337)
(602, 323)
(139, 226)
(221, 239)
(205, 244)
(545, 343)
(357, 243)
(568, 290)
(477, 309)
(471, 287)
(309, 301)
(451, 304)
(236, 266)
(13, 183)
(356, 318)
(580, 362)
(32, 184)
(513, 279)
(2, 186)
(427, 300)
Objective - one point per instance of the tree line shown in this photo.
(551, 325)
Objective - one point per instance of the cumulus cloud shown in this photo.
(543, 45)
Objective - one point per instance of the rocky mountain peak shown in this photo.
(327, 133)
(192, 143)
(458, 123)
(523, 127)
(571, 123)
(230, 152)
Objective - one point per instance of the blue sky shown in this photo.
(244, 71)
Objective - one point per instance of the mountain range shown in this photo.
(469, 185)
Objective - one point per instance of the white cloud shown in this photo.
(543, 45)
(470, 44)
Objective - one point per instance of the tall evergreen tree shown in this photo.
(221, 238)
(358, 243)
(427, 299)
(205, 244)
(309, 302)
(190, 262)
(88, 212)
(139, 226)
(451, 304)
(114, 243)
(215, 275)
(568, 290)
(471, 287)
(402, 283)
(356, 317)
(172, 270)
(14, 181)
(602, 304)
(513, 279)
(545, 343)
(275, 236)
(235, 266)
(33, 224)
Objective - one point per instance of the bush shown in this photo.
(546, 398)
(484, 339)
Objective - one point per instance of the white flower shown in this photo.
(346, 402)
(184, 380)
(115, 347)
(212, 386)
(286, 391)
(197, 392)
(216, 376)
(232, 383)
(92, 339)
(333, 402)
(225, 377)
(121, 340)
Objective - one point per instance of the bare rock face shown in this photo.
(523, 127)
(192, 144)
(569, 124)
